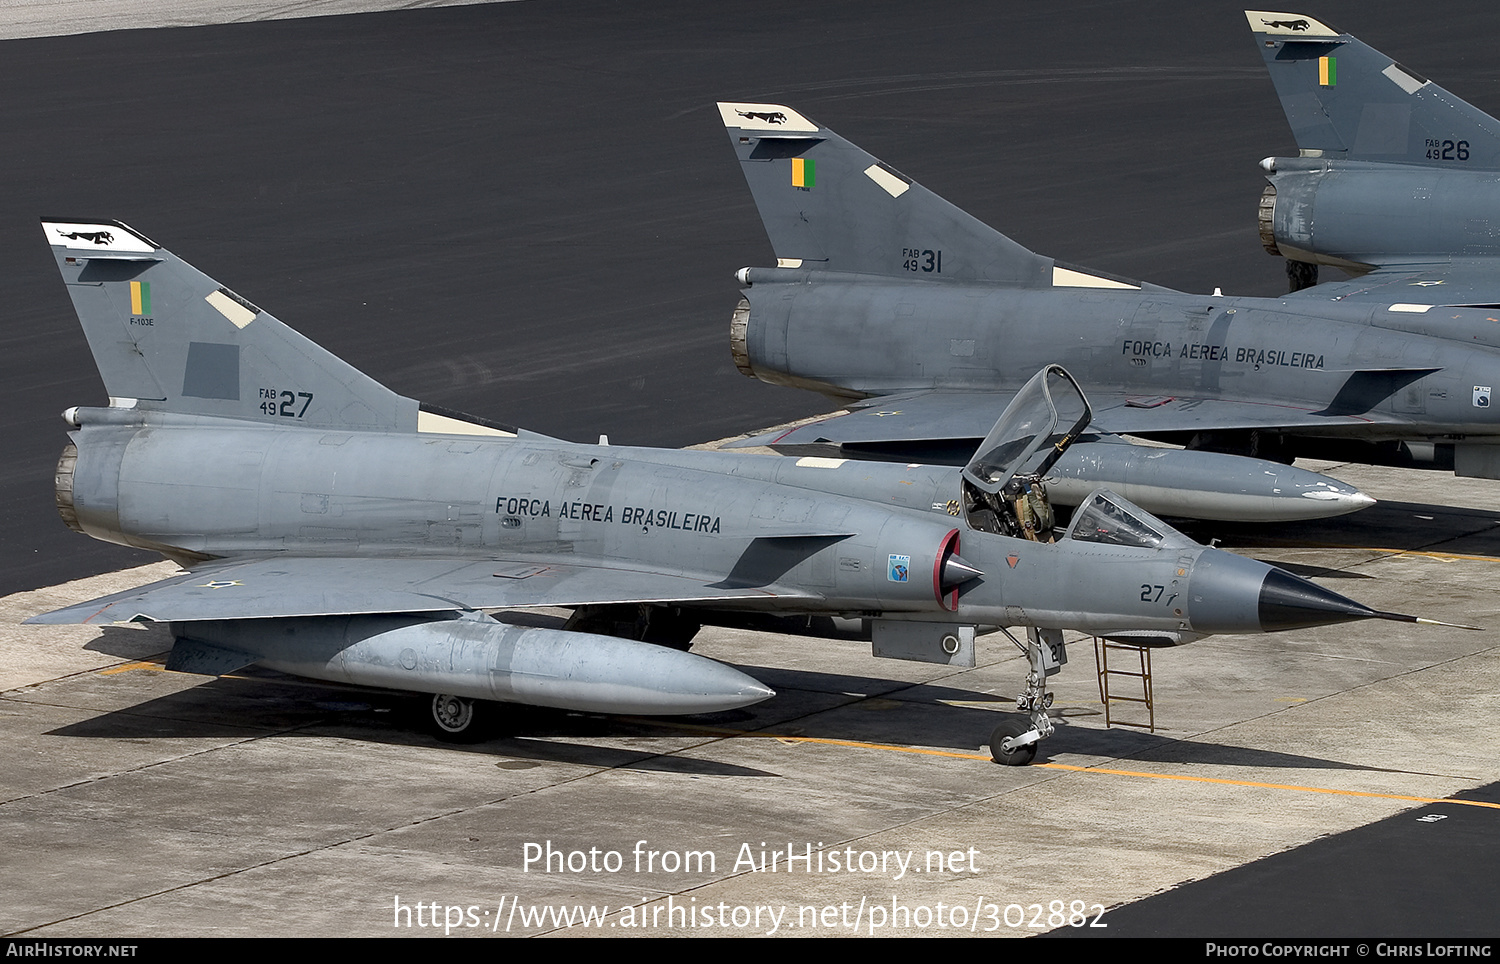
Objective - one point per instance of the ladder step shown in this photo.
(1102, 649)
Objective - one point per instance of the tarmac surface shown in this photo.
(528, 211)
(1328, 782)
(55, 18)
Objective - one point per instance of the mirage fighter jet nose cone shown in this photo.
(1233, 594)
(1291, 602)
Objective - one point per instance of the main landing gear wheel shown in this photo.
(1010, 729)
(455, 719)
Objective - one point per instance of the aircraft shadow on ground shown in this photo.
(1317, 572)
(1405, 526)
(290, 708)
(125, 643)
(812, 706)
(1130, 747)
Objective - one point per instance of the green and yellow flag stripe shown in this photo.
(140, 297)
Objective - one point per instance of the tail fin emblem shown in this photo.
(770, 117)
(98, 237)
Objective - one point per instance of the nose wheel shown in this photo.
(1009, 744)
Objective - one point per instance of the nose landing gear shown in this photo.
(1013, 742)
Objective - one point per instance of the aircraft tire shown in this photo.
(455, 719)
(1015, 758)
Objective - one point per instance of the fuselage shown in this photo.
(1319, 368)
(865, 539)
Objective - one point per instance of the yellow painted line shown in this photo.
(1153, 776)
(922, 751)
(917, 750)
(1137, 773)
(1444, 556)
(1268, 786)
(127, 667)
(1100, 770)
(856, 744)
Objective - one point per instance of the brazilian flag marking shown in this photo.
(803, 172)
(140, 297)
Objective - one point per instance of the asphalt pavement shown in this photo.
(528, 211)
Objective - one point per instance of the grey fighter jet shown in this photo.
(926, 321)
(1397, 181)
(334, 529)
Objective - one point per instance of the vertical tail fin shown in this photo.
(1347, 100)
(828, 204)
(167, 337)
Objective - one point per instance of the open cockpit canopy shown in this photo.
(1048, 412)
